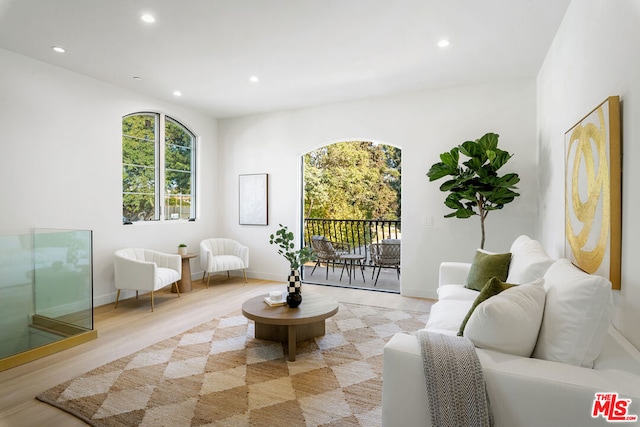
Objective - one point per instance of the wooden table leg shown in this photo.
(291, 338)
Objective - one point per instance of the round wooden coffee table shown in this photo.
(290, 325)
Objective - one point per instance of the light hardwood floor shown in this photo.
(132, 326)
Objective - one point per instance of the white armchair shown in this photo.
(146, 270)
(221, 254)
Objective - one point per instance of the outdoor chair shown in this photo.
(328, 252)
(385, 255)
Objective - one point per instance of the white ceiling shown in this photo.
(305, 52)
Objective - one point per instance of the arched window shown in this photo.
(158, 169)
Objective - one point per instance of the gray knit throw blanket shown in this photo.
(455, 385)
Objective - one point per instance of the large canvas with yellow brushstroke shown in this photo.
(593, 192)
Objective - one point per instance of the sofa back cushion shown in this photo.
(456, 292)
(509, 322)
(446, 316)
(577, 315)
(529, 261)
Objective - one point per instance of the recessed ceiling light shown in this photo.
(254, 79)
(148, 18)
(177, 93)
(58, 49)
(443, 43)
(137, 78)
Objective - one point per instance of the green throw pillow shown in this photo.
(493, 287)
(485, 266)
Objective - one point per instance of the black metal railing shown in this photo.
(358, 233)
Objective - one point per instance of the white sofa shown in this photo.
(576, 353)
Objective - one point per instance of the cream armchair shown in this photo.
(146, 270)
(221, 254)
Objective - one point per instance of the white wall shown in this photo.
(595, 55)
(60, 139)
(423, 124)
(61, 151)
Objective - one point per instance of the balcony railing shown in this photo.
(358, 233)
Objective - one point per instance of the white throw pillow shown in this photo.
(529, 261)
(517, 244)
(509, 321)
(577, 315)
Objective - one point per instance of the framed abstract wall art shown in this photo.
(254, 199)
(593, 194)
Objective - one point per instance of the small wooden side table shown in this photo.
(184, 284)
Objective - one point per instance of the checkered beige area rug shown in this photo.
(218, 374)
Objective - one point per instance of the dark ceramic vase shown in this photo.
(294, 299)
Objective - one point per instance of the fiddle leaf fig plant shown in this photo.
(284, 239)
(474, 187)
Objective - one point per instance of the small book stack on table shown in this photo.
(275, 299)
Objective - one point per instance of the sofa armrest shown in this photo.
(521, 387)
(523, 391)
(454, 273)
(404, 390)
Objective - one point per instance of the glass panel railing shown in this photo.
(62, 276)
(46, 292)
(16, 293)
